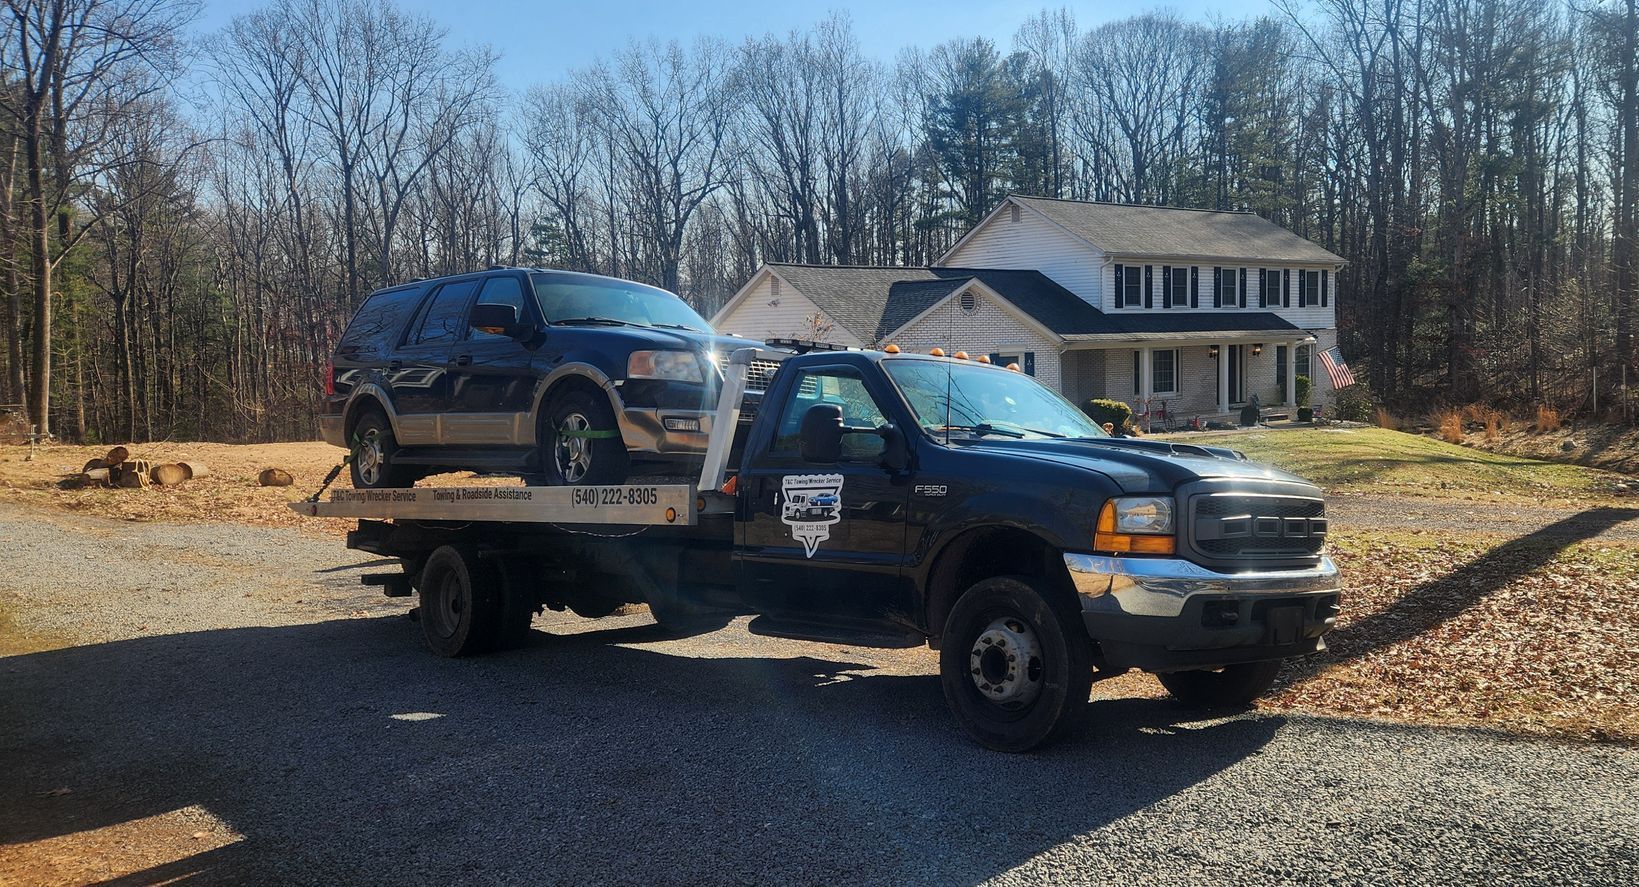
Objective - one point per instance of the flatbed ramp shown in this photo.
(625, 504)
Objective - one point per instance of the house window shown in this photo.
(1226, 288)
(1308, 288)
(1269, 288)
(1129, 286)
(1301, 363)
(1163, 372)
(1178, 288)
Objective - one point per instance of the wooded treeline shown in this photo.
(187, 224)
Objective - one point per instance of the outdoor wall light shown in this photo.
(1212, 352)
(1257, 349)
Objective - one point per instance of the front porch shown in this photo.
(1173, 381)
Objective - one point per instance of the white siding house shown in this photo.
(1184, 314)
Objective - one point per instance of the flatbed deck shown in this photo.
(626, 504)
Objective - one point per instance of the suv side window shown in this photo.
(505, 290)
(378, 322)
(844, 388)
(446, 315)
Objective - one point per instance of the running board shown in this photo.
(826, 633)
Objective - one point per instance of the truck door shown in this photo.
(491, 386)
(824, 542)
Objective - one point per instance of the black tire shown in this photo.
(1034, 697)
(598, 460)
(517, 607)
(460, 602)
(371, 465)
(1233, 686)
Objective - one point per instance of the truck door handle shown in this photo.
(395, 365)
(462, 360)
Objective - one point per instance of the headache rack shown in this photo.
(633, 504)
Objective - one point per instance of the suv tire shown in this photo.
(580, 441)
(1016, 669)
(371, 464)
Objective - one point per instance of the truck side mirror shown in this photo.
(820, 435)
(499, 320)
(896, 451)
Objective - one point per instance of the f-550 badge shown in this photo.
(809, 505)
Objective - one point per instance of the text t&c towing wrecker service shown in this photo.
(888, 499)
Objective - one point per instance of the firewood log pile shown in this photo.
(119, 469)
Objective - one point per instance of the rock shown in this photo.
(275, 477)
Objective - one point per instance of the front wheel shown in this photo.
(1016, 669)
(1232, 686)
(581, 442)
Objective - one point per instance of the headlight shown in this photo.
(1140, 524)
(678, 366)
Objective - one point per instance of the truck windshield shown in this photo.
(983, 401)
(576, 299)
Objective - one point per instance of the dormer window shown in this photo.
(1129, 286)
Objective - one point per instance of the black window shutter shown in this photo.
(995, 358)
(1263, 288)
(1303, 289)
(1217, 287)
(1241, 303)
(1195, 286)
(1030, 363)
(1166, 286)
(1286, 287)
(1149, 288)
(1325, 285)
(1120, 287)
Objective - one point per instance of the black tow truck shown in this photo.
(894, 500)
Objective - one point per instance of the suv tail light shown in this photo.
(329, 379)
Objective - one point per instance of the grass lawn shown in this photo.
(1377, 460)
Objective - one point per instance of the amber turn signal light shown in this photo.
(1106, 539)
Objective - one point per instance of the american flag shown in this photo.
(1332, 358)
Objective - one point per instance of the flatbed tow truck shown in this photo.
(874, 500)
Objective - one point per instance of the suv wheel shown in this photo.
(371, 464)
(580, 441)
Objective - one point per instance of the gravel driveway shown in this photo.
(237, 689)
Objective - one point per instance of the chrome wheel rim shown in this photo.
(1005, 663)
(369, 458)
(573, 452)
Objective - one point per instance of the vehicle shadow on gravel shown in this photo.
(1438, 600)
(572, 760)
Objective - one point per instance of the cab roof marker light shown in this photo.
(936, 352)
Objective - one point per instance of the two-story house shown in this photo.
(1182, 313)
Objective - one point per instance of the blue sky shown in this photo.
(539, 42)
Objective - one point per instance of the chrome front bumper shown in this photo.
(1163, 614)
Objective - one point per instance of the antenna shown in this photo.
(950, 340)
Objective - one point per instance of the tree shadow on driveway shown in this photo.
(573, 760)
(1436, 601)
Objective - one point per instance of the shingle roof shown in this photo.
(1128, 229)
(872, 302)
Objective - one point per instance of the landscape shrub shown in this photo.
(1353, 404)
(1303, 387)
(1448, 424)
(1114, 412)
(1496, 422)
(1383, 418)
(1547, 419)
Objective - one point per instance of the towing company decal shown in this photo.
(809, 505)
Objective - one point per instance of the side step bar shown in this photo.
(826, 633)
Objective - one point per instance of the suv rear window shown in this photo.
(376, 326)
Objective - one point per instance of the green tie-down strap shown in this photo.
(589, 434)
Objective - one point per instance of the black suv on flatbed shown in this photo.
(562, 377)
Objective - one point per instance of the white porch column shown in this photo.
(1223, 379)
(1146, 378)
(1291, 374)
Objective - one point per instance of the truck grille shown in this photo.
(758, 374)
(1256, 529)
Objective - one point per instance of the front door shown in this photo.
(490, 378)
(823, 542)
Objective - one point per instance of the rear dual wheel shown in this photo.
(1016, 667)
(470, 605)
